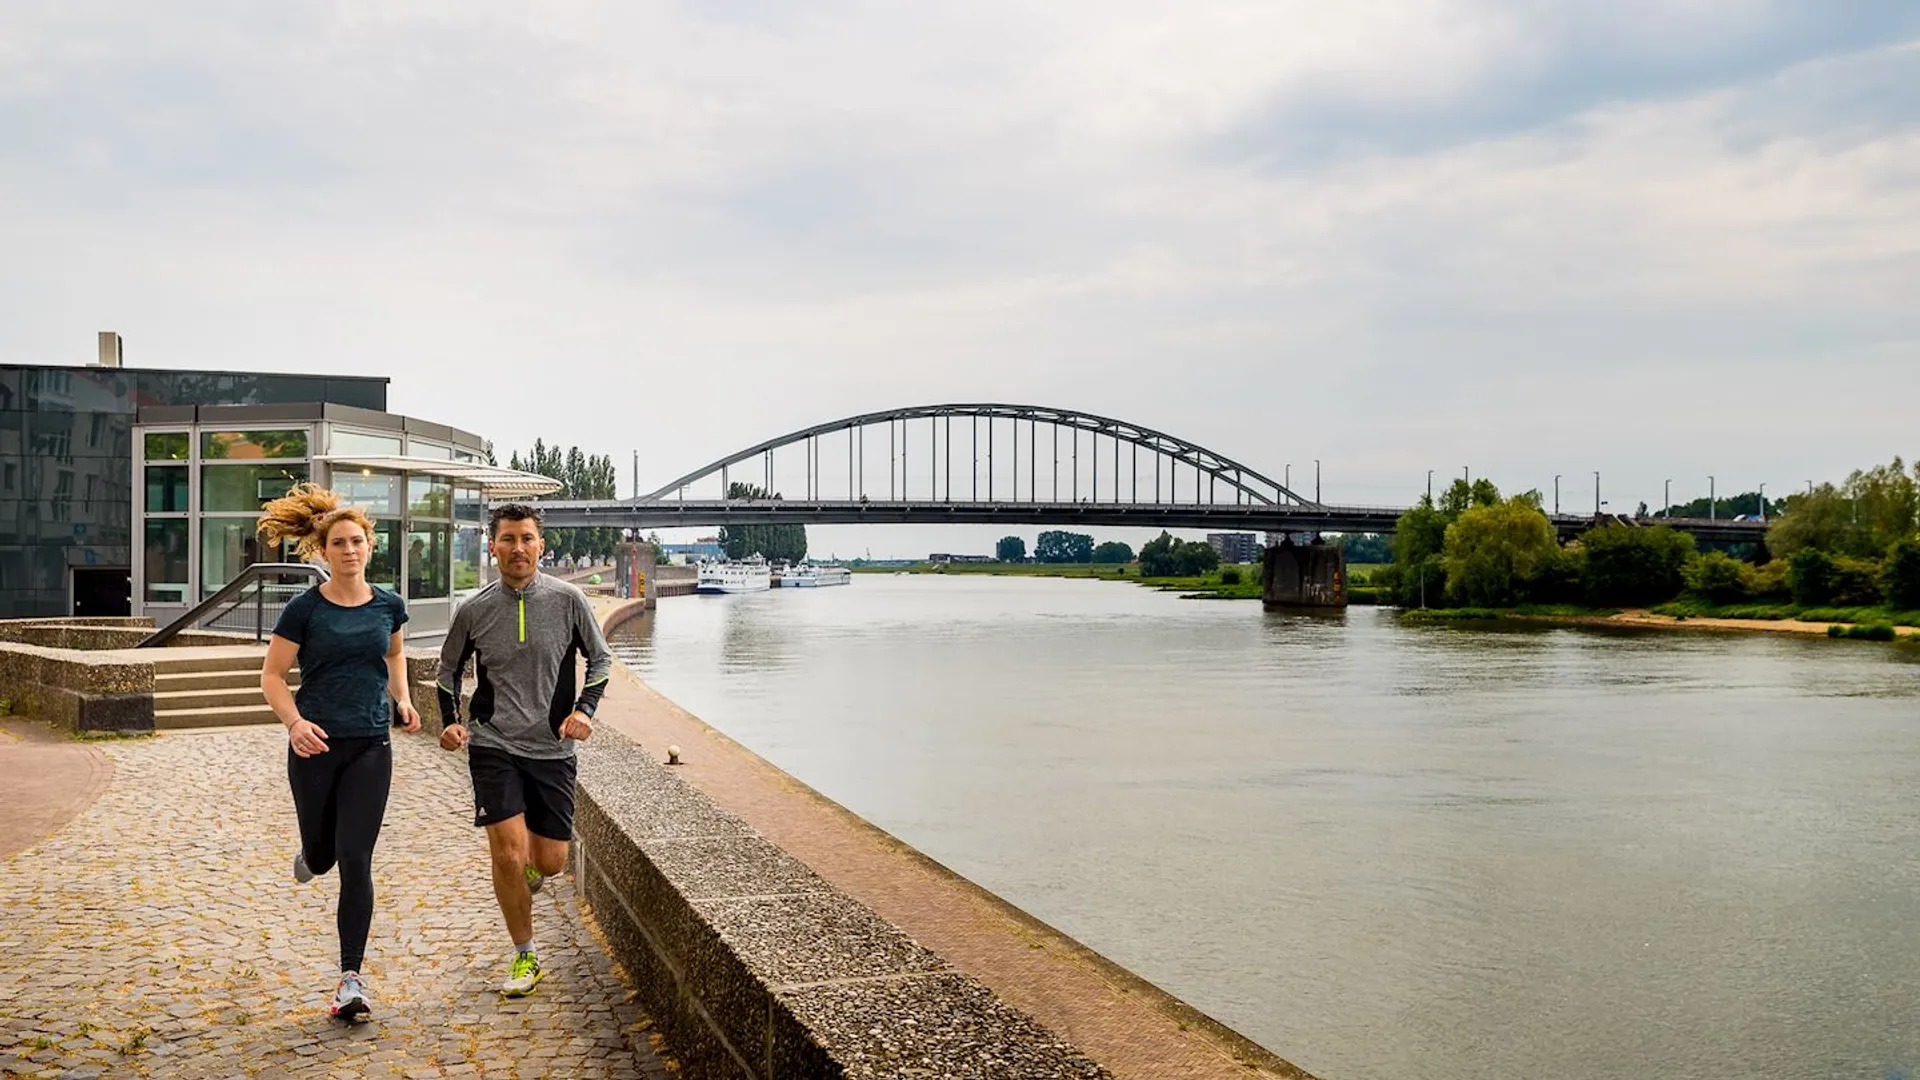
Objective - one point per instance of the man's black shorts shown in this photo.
(507, 784)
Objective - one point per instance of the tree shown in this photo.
(1055, 546)
(1156, 556)
(1372, 548)
(1718, 578)
(1420, 538)
(1873, 510)
(1632, 566)
(771, 542)
(1010, 549)
(1163, 556)
(1900, 575)
(1193, 557)
(1113, 551)
(1810, 576)
(1492, 553)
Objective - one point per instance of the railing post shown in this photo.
(259, 607)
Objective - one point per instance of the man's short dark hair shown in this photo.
(510, 512)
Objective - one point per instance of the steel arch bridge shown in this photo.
(1180, 483)
(1245, 484)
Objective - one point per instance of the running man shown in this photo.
(525, 632)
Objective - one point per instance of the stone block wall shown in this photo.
(76, 690)
(756, 967)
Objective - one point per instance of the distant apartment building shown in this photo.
(1234, 547)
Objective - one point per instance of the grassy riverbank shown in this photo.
(1231, 582)
(1867, 624)
(1524, 611)
(1863, 616)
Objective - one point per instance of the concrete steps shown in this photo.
(199, 689)
(218, 716)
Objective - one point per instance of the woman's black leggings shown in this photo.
(341, 798)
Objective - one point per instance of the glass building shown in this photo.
(128, 491)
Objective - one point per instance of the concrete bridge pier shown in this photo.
(1303, 576)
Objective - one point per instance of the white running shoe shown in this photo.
(350, 997)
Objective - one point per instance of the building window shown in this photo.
(427, 559)
(360, 442)
(167, 446)
(236, 488)
(167, 565)
(384, 568)
(370, 491)
(423, 448)
(63, 496)
(228, 546)
(166, 489)
(253, 445)
(429, 497)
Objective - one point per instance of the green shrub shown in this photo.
(1230, 576)
(1900, 575)
(1632, 566)
(1769, 582)
(1855, 582)
(1558, 580)
(1810, 577)
(1866, 632)
(1717, 577)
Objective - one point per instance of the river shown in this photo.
(1380, 850)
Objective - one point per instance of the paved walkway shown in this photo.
(1125, 1023)
(50, 778)
(160, 934)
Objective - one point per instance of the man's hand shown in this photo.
(409, 718)
(576, 726)
(453, 737)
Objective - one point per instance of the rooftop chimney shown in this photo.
(109, 349)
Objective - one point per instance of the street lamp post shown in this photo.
(1289, 480)
(1316, 481)
(1712, 511)
(1429, 487)
(1556, 493)
(1763, 502)
(1596, 493)
(1666, 509)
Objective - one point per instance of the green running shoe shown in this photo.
(526, 975)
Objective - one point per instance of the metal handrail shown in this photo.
(231, 589)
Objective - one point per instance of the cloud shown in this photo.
(1389, 235)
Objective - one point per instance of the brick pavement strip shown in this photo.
(161, 934)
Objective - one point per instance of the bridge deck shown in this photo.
(1224, 517)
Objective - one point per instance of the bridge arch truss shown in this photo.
(922, 454)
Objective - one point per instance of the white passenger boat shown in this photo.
(809, 576)
(734, 576)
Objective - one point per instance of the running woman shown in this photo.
(525, 633)
(345, 635)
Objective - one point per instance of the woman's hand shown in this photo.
(307, 739)
(453, 737)
(410, 719)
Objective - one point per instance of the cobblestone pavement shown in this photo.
(161, 934)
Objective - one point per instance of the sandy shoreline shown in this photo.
(1641, 618)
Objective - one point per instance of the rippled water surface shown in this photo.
(1379, 850)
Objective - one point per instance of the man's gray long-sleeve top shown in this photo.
(525, 643)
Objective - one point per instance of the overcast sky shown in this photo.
(1654, 238)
